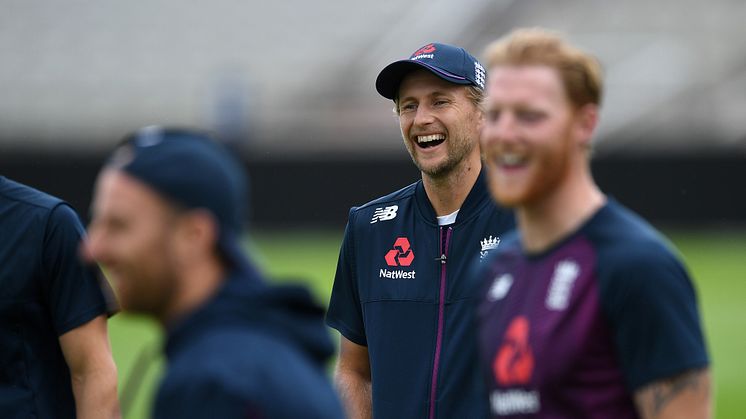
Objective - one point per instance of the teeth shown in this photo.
(428, 138)
(511, 159)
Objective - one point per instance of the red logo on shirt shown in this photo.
(427, 49)
(514, 361)
(401, 254)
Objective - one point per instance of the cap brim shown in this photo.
(391, 76)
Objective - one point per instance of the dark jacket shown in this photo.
(402, 290)
(253, 351)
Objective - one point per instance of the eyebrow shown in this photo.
(436, 93)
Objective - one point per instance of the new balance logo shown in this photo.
(401, 254)
(384, 214)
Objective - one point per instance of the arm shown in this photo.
(684, 396)
(92, 371)
(352, 379)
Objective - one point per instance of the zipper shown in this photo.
(441, 314)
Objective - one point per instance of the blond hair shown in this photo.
(579, 71)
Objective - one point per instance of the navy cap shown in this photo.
(450, 63)
(191, 170)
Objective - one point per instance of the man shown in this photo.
(55, 357)
(586, 311)
(167, 215)
(400, 299)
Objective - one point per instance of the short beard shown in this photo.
(444, 169)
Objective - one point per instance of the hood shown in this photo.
(285, 311)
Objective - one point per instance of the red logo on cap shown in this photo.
(401, 254)
(427, 49)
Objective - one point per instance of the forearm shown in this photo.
(685, 396)
(356, 393)
(96, 393)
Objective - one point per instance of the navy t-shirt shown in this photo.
(575, 330)
(45, 291)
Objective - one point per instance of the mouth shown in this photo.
(512, 159)
(429, 141)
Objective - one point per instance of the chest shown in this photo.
(541, 319)
(405, 258)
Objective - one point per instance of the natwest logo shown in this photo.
(401, 254)
(514, 362)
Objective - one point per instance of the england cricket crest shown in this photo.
(488, 243)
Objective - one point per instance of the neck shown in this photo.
(198, 282)
(448, 193)
(561, 212)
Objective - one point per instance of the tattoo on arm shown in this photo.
(655, 397)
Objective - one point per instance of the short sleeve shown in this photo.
(652, 306)
(72, 289)
(345, 312)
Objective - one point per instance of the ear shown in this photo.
(198, 234)
(586, 119)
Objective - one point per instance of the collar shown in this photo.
(474, 200)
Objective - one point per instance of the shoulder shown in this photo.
(628, 244)
(636, 264)
(391, 199)
(20, 194)
(198, 360)
(241, 366)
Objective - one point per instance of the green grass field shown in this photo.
(717, 260)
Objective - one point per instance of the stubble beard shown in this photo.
(457, 151)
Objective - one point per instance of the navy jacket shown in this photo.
(402, 290)
(254, 351)
(45, 292)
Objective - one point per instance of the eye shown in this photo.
(407, 107)
(440, 102)
(530, 116)
(492, 116)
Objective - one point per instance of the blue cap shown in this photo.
(191, 170)
(450, 63)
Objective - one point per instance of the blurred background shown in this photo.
(290, 85)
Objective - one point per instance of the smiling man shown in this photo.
(586, 312)
(167, 217)
(400, 298)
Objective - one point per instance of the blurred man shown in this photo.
(167, 215)
(586, 311)
(55, 357)
(400, 299)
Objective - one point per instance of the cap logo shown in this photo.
(424, 52)
(149, 136)
(479, 74)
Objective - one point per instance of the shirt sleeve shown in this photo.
(345, 312)
(652, 306)
(72, 289)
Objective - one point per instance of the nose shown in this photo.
(423, 116)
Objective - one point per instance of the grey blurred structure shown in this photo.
(291, 85)
(77, 75)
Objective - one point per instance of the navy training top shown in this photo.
(575, 330)
(401, 289)
(253, 351)
(45, 291)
